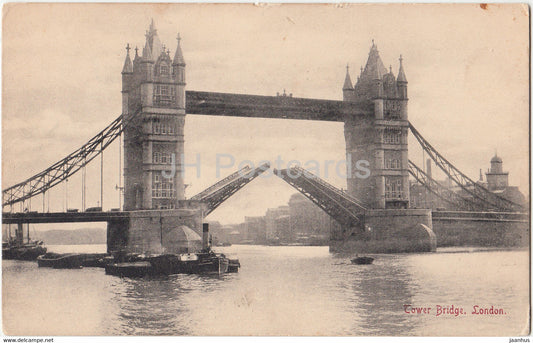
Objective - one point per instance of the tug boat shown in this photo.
(16, 249)
(204, 262)
(22, 251)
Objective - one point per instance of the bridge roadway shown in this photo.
(62, 217)
(73, 217)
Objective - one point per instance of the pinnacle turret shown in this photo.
(401, 73)
(128, 66)
(147, 52)
(178, 56)
(347, 81)
(137, 57)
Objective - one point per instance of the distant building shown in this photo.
(497, 181)
(421, 197)
(234, 234)
(300, 222)
(283, 229)
(308, 222)
(255, 229)
(272, 229)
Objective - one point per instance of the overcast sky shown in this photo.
(467, 69)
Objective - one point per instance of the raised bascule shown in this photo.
(373, 214)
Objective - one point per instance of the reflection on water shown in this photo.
(278, 291)
(379, 292)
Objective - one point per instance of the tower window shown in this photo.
(162, 187)
(391, 109)
(164, 69)
(392, 163)
(392, 136)
(164, 95)
(163, 128)
(162, 157)
(393, 188)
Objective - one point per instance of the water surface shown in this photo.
(278, 291)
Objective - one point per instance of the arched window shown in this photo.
(164, 69)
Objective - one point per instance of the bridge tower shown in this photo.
(375, 130)
(153, 93)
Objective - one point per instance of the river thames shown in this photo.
(279, 291)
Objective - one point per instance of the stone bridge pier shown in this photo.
(157, 231)
(388, 231)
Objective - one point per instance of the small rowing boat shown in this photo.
(363, 260)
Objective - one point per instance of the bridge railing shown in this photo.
(221, 183)
(328, 186)
(215, 195)
(333, 201)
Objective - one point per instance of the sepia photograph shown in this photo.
(265, 169)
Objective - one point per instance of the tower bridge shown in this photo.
(374, 212)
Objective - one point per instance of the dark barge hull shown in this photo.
(170, 264)
(28, 252)
(70, 261)
(59, 261)
(130, 269)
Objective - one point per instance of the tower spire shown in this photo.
(347, 81)
(178, 56)
(374, 68)
(128, 67)
(401, 73)
(152, 41)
